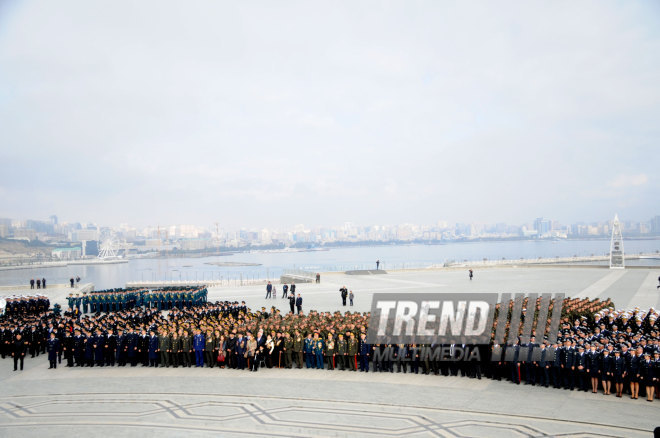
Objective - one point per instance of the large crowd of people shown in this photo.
(596, 345)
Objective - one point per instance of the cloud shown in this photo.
(624, 181)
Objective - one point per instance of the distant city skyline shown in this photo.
(262, 115)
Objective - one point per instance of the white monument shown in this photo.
(617, 260)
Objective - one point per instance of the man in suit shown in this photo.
(292, 302)
(19, 349)
(299, 302)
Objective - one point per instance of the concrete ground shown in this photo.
(299, 403)
(628, 288)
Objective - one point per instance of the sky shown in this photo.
(270, 114)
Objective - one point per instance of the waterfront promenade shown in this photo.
(627, 288)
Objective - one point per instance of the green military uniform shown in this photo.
(330, 353)
(164, 345)
(288, 352)
(341, 351)
(186, 348)
(352, 353)
(298, 350)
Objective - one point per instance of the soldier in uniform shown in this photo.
(122, 347)
(581, 368)
(67, 347)
(298, 348)
(164, 347)
(186, 349)
(99, 346)
(110, 351)
(330, 352)
(78, 348)
(85, 302)
(78, 301)
(319, 346)
(209, 344)
(198, 346)
(53, 348)
(308, 348)
(176, 348)
(153, 349)
(132, 350)
(618, 372)
(606, 368)
(288, 350)
(647, 376)
(350, 357)
(89, 348)
(341, 352)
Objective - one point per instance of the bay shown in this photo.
(270, 265)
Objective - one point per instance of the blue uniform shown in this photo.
(198, 346)
(308, 348)
(53, 347)
(318, 352)
(153, 350)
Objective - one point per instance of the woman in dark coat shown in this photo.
(633, 372)
(593, 367)
(619, 371)
(647, 376)
(606, 368)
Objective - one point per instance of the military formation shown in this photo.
(612, 350)
(26, 305)
(593, 351)
(123, 299)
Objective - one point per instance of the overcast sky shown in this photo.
(278, 113)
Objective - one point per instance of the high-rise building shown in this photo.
(655, 224)
(543, 226)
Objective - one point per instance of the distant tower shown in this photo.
(616, 246)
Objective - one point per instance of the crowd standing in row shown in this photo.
(122, 299)
(593, 351)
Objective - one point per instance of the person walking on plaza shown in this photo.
(269, 290)
(285, 290)
(71, 281)
(350, 297)
(299, 302)
(38, 283)
(471, 273)
(377, 264)
(32, 283)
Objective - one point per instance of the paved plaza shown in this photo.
(629, 287)
(299, 403)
